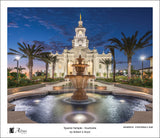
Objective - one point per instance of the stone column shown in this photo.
(92, 67)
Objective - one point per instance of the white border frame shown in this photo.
(102, 130)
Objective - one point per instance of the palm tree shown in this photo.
(53, 60)
(46, 57)
(20, 69)
(130, 45)
(106, 62)
(111, 48)
(9, 69)
(27, 51)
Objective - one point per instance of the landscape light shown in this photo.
(142, 57)
(17, 57)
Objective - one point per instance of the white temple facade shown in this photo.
(80, 45)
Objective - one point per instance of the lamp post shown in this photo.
(142, 58)
(17, 58)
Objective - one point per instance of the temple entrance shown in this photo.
(90, 68)
(70, 68)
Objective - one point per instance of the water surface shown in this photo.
(106, 109)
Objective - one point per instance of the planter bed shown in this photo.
(25, 88)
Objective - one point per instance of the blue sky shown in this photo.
(55, 29)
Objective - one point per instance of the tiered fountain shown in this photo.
(80, 81)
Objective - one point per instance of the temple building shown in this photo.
(80, 45)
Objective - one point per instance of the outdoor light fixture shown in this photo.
(124, 72)
(17, 58)
(142, 58)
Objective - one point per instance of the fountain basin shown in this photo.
(106, 109)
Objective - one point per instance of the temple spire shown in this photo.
(80, 22)
(80, 17)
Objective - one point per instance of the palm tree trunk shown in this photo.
(107, 71)
(114, 69)
(53, 68)
(46, 71)
(129, 67)
(114, 63)
(30, 65)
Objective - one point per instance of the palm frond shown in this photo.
(14, 52)
(144, 36)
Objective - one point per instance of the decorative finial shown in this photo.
(80, 17)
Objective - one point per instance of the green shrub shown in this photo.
(148, 83)
(97, 74)
(12, 83)
(53, 80)
(38, 78)
(24, 82)
(139, 82)
(136, 81)
(109, 80)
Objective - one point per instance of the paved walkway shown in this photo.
(141, 117)
(122, 91)
(39, 91)
(49, 88)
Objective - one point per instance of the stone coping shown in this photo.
(141, 95)
(25, 88)
(149, 107)
(137, 95)
(11, 107)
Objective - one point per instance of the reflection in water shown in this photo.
(122, 101)
(106, 109)
(79, 118)
(75, 102)
(37, 101)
